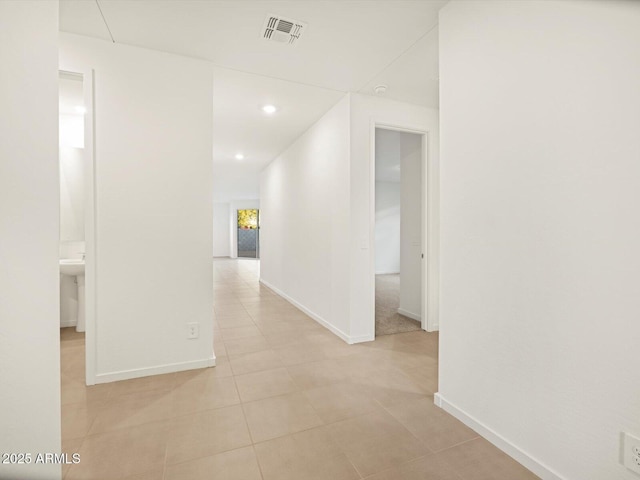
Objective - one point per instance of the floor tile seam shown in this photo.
(225, 294)
(418, 440)
(199, 458)
(226, 300)
(401, 464)
(111, 396)
(231, 328)
(226, 342)
(346, 456)
(292, 434)
(246, 422)
(242, 353)
(400, 402)
(202, 410)
(286, 434)
(72, 404)
(242, 402)
(235, 383)
(326, 423)
(242, 337)
(388, 436)
(128, 427)
(164, 462)
(352, 417)
(304, 362)
(346, 381)
(169, 418)
(258, 371)
(287, 367)
(442, 450)
(253, 447)
(378, 366)
(86, 434)
(77, 451)
(395, 466)
(249, 336)
(118, 402)
(322, 423)
(202, 456)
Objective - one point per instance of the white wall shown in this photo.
(366, 111)
(29, 227)
(221, 230)
(387, 234)
(540, 111)
(304, 196)
(234, 206)
(153, 144)
(411, 230)
(235, 181)
(318, 212)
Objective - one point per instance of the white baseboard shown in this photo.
(387, 273)
(68, 323)
(317, 318)
(362, 338)
(158, 370)
(498, 440)
(413, 316)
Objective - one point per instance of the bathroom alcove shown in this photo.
(77, 225)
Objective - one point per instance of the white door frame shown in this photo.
(90, 268)
(430, 231)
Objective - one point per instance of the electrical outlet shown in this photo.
(631, 452)
(193, 330)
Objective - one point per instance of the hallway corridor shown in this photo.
(288, 400)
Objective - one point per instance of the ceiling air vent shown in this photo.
(282, 30)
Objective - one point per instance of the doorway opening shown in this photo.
(249, 233)
(399, 192)
(77, 229)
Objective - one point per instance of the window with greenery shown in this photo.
(248, 219)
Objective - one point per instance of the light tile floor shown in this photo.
(288, 400)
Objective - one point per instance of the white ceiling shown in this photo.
(240, 126)
(413, 76)
(349, 46)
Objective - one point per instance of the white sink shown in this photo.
(72, 266)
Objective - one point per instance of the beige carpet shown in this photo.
(388, 320)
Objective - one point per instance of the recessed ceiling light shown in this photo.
(269, 109)
(81, 109)
(239, 156)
